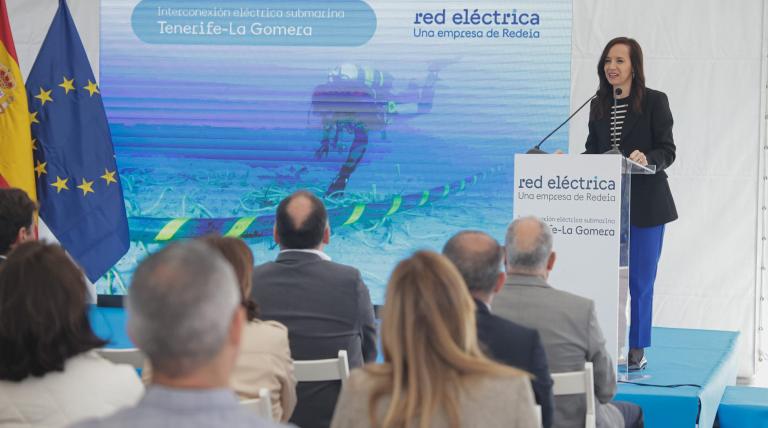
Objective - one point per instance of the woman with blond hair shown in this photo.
(434, 374)
(265, 357)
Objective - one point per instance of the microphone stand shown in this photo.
(536, 150)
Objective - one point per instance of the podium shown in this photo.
(585, 200)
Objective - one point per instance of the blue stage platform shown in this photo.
(687, 374)
(109, 324)
(744, 406)
(684, 383)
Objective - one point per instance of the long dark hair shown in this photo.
(43, 314)
(602, 104)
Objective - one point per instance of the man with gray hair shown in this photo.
(478, 257)
(184, 313)
(566, 322)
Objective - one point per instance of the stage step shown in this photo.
(688, 371)
(743, 406)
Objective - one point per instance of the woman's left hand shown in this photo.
(638, 157)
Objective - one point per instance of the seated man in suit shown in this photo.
(184, 312)
(17, 219)
(478, 257)
(325, 305)
(566, 322)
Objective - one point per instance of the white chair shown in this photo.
(538, 415)
(130, 356)
(581, 382)
(321, 370)
(262, 405)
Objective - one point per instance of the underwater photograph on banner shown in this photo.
(403, 117)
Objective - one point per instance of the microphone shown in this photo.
(614, 140)
(536, 150)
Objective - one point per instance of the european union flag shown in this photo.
(78, 188)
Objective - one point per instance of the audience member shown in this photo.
(265, 357)
(479, 258)
(325, 305)
(566, 322)
(184, 312)
(17, 219)
(50, 374)
(434, 374)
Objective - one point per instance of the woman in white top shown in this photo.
(50, 374)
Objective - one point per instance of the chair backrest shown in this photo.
(581, 382)
(130, 356)
(319, 370)
(262, 405)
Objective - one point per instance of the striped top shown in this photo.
(618, 114)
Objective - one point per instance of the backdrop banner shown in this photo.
(403, 116)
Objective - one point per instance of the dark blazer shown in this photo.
(326, 307)
(518, 346)
(651, 133)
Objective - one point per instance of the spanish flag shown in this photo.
(16, 167)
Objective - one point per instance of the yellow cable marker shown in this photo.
(424, 198)
(240, 226)
(170, 229)
(396, 202)
(356, 214)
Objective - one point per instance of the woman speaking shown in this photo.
(637, 120)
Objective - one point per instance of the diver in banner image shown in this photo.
(357, 100)
(640, 122)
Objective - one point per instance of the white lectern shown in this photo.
(585, 199)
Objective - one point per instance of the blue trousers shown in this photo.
(644, 253)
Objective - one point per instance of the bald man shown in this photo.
(325, 305)
(566, 322)
(478, 257)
